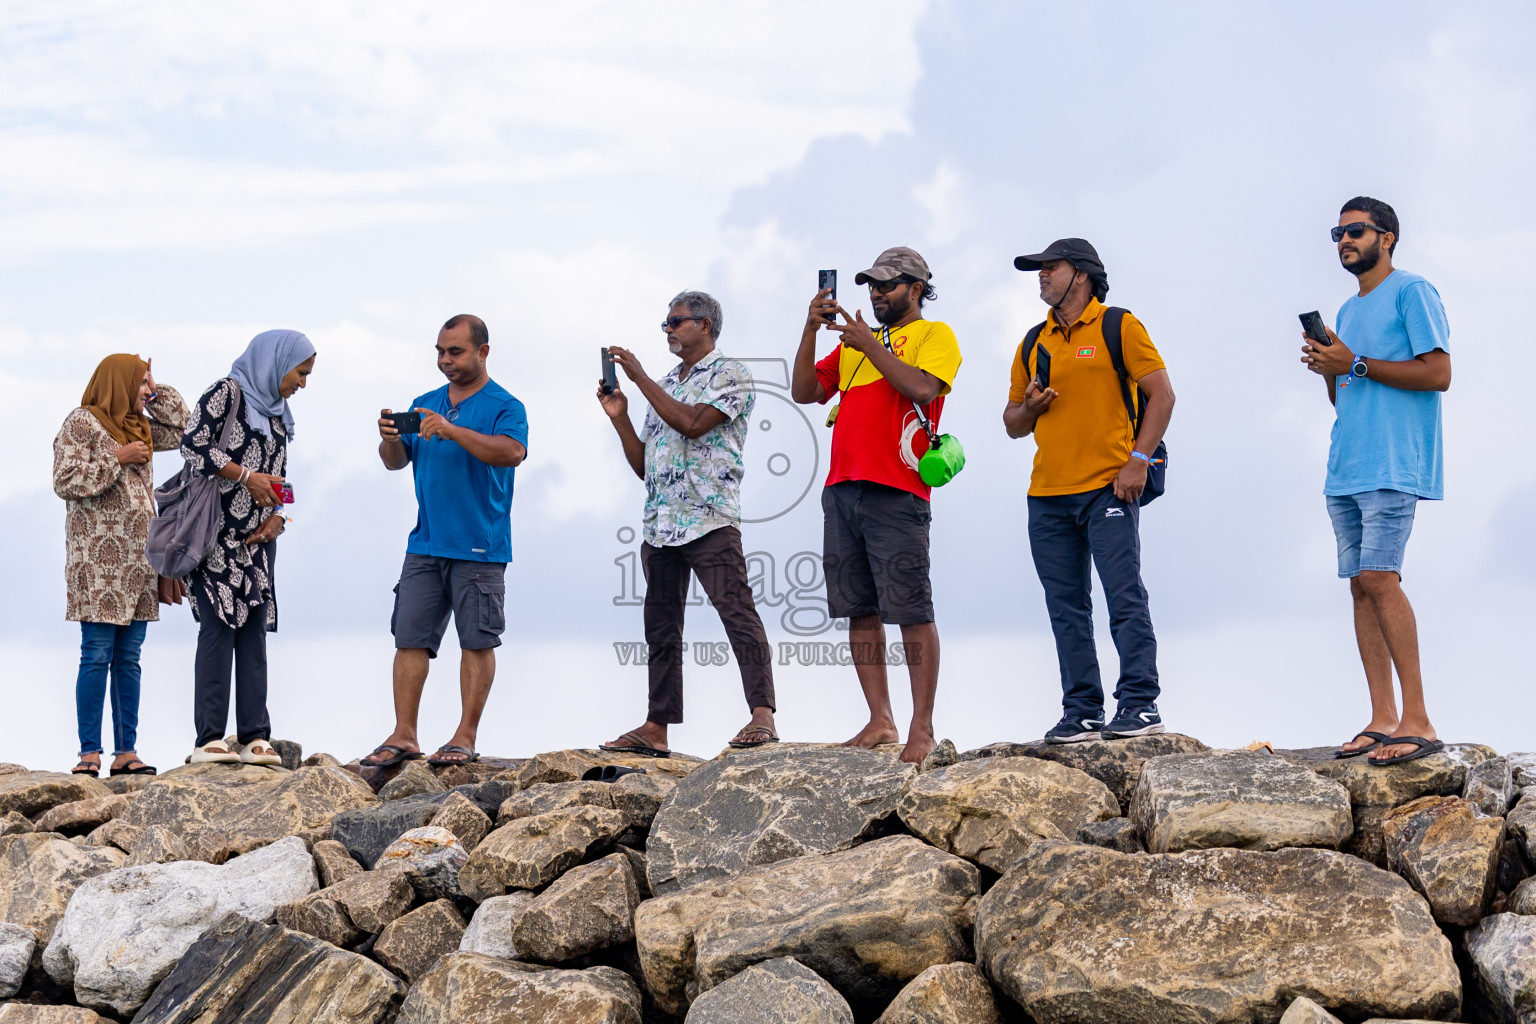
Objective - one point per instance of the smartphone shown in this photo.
(827, 279)
(1312, 324)
(284, 492)
(406, 422)
(610, 375)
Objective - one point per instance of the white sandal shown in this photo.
(261, 752)
(216, 752)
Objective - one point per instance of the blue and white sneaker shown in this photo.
(1076, 730)
(1136, 720)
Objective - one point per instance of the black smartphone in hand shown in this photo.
(826, 280)
(1312, 325)
(406, 422)
(610, 375)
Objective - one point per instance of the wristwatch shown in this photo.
(1358, 370)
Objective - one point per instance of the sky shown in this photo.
(179, 177)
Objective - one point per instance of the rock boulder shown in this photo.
(472, 988)
(410, 944)
(588, 908)
(543, 797)
(490, 930)
(945, 994)
(1490, 787)
(771, 804)
(1116, 763)
(1213, 936)
(1502, 949)
(431, 857)
(1446, 852)
(17, 943)
(529, 853)
(992, 810)
(39, 872)
(464, 818)
(78, 817)
(32, 793)
(868, 920)
(772, 992)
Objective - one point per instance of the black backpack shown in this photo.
(1135, 399)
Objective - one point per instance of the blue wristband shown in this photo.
(1138, 455)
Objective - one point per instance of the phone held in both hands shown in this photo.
(610, 374)
(1312, 325)
(826, 280)
(405, 422)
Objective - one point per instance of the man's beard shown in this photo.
(673, 345)
(1365, 260)
(894, 313)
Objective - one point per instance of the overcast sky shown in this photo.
(181, 176)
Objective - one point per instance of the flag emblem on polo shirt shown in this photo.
(1086, 352)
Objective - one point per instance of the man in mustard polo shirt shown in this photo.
(875, 541)
(1084, 495)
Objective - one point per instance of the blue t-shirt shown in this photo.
(1385, 438)
(463, 506)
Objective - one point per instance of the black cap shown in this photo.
(1077, 251)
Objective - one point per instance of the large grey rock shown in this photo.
(1113, 834)
(410, 944)
(233, 809)
(529, 853)
(1490, 787)
(1502, 949)
(319, 915)
(772, 992)
(39, 872)
(472, 988)
(1116, 763)
(641, 795)
(1251, 800)
(490, 930)
(32, 793)
(1523, 899)
(14, 823)
(1374, 790)
(124, 930)
(771, 804)
(1447, 853)
(365, 902)
(16, 945)
(1213, 936)
(588, 908)
(543, 797)
(367, 832)
(242, 970)
(414, 778)
(464, 818)
(157, 844)
(992, 810)
(868, 920)
(333, 862)
(1523, 767)
(79, 817)
(431, 857)
(1521, 824)
(116, 833)
(945, 994)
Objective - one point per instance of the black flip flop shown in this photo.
(768, 737)
(1380, 738)
(86, 768)
(636, 745)
(394, 759)
(135, 767)
(609, 773)
(469, 756)
(1425, 748)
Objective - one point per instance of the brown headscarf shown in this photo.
(110, 394)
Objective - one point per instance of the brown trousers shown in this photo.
(717, 559)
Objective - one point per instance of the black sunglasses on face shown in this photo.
(887, 286)
(1354, 230)
(672, 323)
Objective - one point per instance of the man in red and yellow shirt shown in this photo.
(875, 544)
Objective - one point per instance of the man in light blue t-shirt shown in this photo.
(473, 435)
(1385, 370)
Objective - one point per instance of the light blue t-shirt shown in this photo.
(1385, 438)
(463, 506)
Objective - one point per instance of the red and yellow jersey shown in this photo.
(877, 436)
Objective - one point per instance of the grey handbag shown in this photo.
(187, 527)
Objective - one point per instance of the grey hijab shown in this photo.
(260, 371)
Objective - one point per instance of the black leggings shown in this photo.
(217, 646)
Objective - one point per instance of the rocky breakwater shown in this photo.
(796, 882)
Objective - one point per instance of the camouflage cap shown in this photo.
(893, 263)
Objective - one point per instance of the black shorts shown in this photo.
(875, 553)
(431, 588)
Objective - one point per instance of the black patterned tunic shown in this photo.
(235, 577)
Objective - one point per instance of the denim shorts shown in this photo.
(1372, 530)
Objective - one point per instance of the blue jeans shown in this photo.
(1371, 529)
(1066, 532)
(104, 649)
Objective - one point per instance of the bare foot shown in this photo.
(917, 749)
(1361, 741)
(650, 734)
(874, 734)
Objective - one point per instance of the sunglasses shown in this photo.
(882, 287)
(672, 323)
(1355, 230)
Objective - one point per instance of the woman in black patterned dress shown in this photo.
(233, 592)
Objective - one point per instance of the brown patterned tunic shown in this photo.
(107, 509)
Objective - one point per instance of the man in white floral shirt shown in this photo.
(689, 453)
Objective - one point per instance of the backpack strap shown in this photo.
(1030, 340)
(1113, 317)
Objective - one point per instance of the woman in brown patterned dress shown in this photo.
(233, 593)
(102, 469)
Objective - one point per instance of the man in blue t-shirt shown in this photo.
(1385, 369)
(473, 436)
